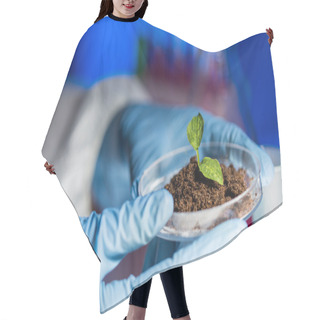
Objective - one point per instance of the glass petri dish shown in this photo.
(185, 226)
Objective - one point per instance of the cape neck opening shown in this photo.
(113, 17)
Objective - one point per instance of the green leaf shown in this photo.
(195, 131)
(211, 169)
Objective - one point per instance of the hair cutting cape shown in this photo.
(120, 62)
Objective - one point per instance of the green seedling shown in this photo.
(209, 167)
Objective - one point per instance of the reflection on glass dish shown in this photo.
(185, 226)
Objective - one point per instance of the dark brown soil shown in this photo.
(192, 191)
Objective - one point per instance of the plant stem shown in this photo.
(198, 158)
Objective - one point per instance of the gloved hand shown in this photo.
(153, 131)
(115, 232)
(139, 135)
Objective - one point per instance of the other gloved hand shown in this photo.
(152, 131)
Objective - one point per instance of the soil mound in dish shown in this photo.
(192, 191)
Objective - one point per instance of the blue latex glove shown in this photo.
(153, 131)
(139, 135)
(115, 232)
